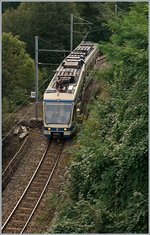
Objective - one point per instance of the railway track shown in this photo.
(12, 166)
(21, 215)
(101, 60)
(23, 211)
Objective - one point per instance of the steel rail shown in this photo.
(18, 122)
(45, 187)
(14, 156)
(101, 58)
(27, 187)
(31, 180)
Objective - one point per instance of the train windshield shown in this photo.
(59, 113)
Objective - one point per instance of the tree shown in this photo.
(50, 21)
(18, 76)
(18, 70)
(99, 14)
(9, 5)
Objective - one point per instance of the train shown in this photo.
(63, 97)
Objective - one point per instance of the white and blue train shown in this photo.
(63, 97)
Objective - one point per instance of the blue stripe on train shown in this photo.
(65, 136)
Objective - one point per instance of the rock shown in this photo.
(36, 122)
(16, 130)
(24, 134)
(24, 128)
(26, 123)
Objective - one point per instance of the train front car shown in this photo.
(63, 96)
(58, 115)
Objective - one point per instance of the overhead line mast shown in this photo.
(36, 74)
(49, 50)
(71, 28)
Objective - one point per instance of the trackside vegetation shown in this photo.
(18, 75)
(107, 189)
(107, 184)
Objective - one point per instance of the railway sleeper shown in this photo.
(23, 213)
(11, 230)
(50, 160)
(51, 154)
(18, 223)
(20, 216)
(25, 209)
(44, 172)
(42, 179)
(46, 169)
(51, 163)
(28, 204)
(33, 193)
(43, 175)
(29, 199)
(36, 186)
(42, 183)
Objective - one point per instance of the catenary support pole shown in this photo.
(71, 33)
(116, 8)
(36, 76)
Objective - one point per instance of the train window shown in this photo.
(59, 113)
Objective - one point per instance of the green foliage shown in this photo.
(18, 68)
(9, 5)
(108, 178)
(18, 75)
(81, 217)
(7, 119)
(98, 14)
(50, 21)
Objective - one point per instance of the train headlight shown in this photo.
(65, 129)
(49, 128)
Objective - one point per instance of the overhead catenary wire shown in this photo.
(21, 119)
(88, 22)
(16, 109)
(27, 111)
(87, 33)
(17, 123)
(48, 43)
(126, 12)
(46, 80)
(82, 19)
(49, 64)
(25, 101)
(96, 29)
(45, 41)
(89, 25)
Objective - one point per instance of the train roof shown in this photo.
(64, 84)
